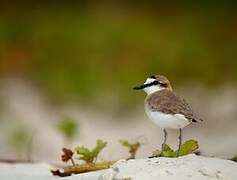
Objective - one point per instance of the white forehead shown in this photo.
(149, 80)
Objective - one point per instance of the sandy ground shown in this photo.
(38, 171)
(190, 167)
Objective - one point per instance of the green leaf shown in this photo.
(82, 150)
(167, 152)
(84, 153)
(89, 156)
(125, 143)
(188, 147)
(100, 144)
(68, 127)
(19, 138)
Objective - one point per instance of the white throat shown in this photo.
(151, 89)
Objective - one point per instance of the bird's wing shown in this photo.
(169, 103)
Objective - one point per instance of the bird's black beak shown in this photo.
(146, 85)
(139, 87)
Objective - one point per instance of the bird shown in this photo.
(166, 109)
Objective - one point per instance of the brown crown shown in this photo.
(162, 79)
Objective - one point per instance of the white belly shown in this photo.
(168, 121)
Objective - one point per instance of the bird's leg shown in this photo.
(180, 141)
(164, 142)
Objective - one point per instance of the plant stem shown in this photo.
(76, 169)
(73, 162)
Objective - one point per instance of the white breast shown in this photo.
(168, 121)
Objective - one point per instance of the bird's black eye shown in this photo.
(152, 77)
(155, 82)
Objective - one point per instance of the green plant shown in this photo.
(90, 155)
(68, 127)
(18, 140)
(133, 147)
(186, 148)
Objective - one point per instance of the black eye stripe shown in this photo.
(148, 85)
(151, 84)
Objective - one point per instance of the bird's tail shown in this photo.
(197, 120)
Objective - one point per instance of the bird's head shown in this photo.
(154, 84)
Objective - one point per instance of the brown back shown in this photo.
(168, 102)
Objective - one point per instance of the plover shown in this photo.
(165, 108)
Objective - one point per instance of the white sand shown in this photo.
(190, 167)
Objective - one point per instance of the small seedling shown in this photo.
(68, 127)
(133, 147)
(20, 140)
(186, 148)
(90, 156)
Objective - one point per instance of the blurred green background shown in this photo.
(92, 53)
(86, 49)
